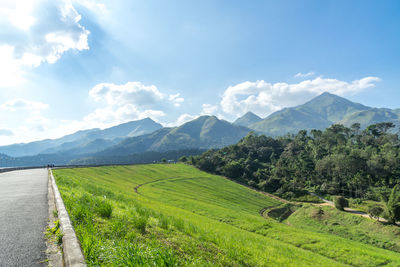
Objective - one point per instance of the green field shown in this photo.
(172, 215)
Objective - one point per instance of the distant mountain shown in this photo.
(87, 141)
(247, 119)
(321, 112)
(202, 133)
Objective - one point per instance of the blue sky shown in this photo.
(70, 65)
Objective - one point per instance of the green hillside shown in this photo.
(176, 215)
(371, 116)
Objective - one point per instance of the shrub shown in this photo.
(340, 202)
(183, 159)
(375, 211)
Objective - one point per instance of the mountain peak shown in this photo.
(318, 113)
(247, 119)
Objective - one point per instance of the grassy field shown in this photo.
(330, 220)
(176, 215)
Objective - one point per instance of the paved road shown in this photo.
(23, 217)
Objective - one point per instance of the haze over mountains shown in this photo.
(144, 136)
(83, 141)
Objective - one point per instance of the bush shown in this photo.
(183, 159)
(340, 202)
(375, 211)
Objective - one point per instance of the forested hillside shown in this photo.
(347, 161)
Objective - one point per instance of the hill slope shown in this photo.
(193, 218)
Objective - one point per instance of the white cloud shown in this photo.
(304, 75)
(176, 99)
(36, 31)
(208, 109)
(134, 93)
(108, 116)
(130, 101)
(181, 120)
(96, 6)
(264, 98)
(23, 104)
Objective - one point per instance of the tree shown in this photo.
(340, 202)
(164, 160)
(392, 205)
(375, 211)
(183, 159)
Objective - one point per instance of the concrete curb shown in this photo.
(72, 252)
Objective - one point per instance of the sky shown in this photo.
(68, 65)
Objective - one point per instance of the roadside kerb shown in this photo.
(72, 252)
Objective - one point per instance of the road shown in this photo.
(23, 217)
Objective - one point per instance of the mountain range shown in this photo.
(205, 132)
(81, 142)
(319, 113)
(202, 133)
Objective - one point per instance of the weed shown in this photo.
(59, 237)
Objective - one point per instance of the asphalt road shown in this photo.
(23, 217)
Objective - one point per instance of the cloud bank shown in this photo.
(130, 101)
(264, 98)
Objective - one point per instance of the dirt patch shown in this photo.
(282, 213)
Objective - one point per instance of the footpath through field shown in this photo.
(349, 210)
(23, 217)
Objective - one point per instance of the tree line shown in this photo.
(348, 161)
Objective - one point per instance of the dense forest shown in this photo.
(352, 162)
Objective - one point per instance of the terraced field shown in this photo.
(176, 215)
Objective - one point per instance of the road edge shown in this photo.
(72, 252)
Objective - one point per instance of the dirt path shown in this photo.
(349, 210)
(138, 186)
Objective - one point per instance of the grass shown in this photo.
(329, 220)
(181, 216)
